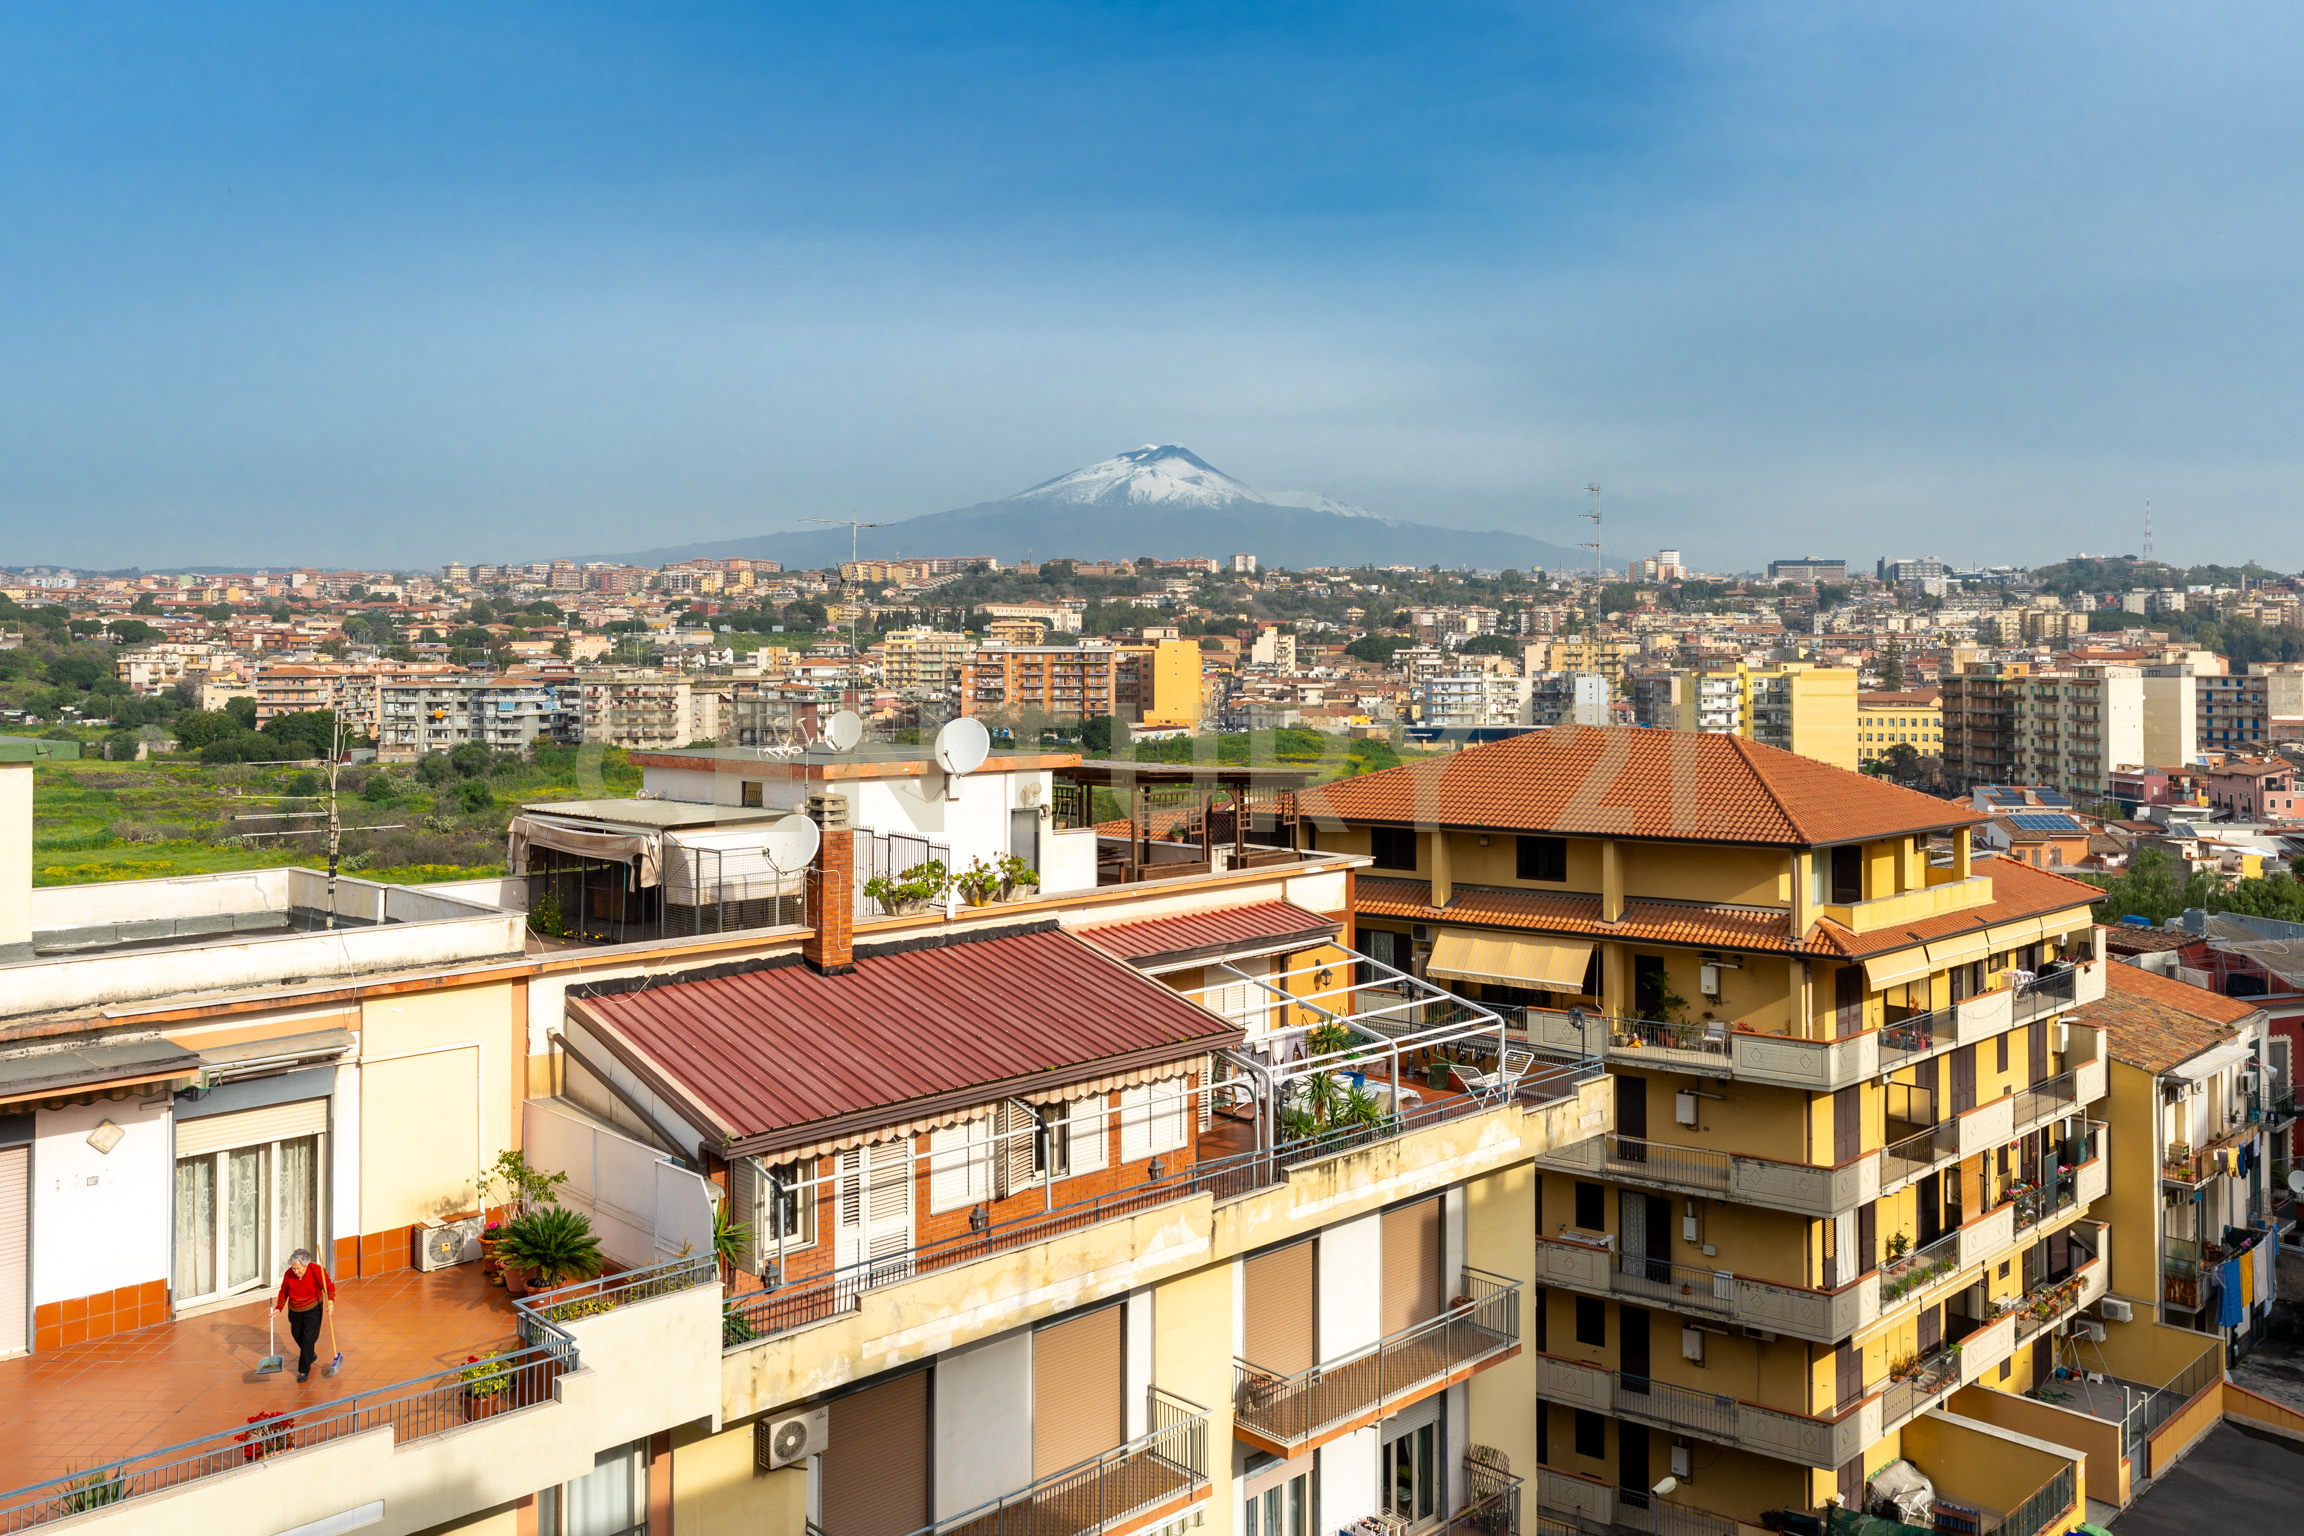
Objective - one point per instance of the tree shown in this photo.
(472, 760)
(132, 631)
(144, 605)
(1901, 762)
(1892, 670)
(1099, 733)
(196, 728)
(435, 769)
(2151, 889)
(243, 709)
(1378, 648)
(1491, 645)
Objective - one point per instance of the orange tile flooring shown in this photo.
(93, 1402)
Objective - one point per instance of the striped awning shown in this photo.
(1883, 971)
(1544, 965)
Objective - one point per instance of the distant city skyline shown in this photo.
(396, 287)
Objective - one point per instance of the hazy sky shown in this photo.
(399, 283)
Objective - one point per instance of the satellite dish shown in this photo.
(792, 843)
(844, 730)
(2296, 1180)
(962, 745)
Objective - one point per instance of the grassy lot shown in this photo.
(98, 821)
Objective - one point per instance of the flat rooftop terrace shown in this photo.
(2236, 1479)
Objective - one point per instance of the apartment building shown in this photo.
(1911, 716)
(2193, 1103)
(1808, 568)
(1476, 699)
(416, 716)
(924, 663)
(1090, 1139)
(2171, 716)
(1068, 682)
(1857, 1146)
(1577, 698)
(1793, 706)
(2072, 728)
(635, 708)
(2232, 712)
(149, 669)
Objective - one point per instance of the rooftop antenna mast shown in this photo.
(2147, 530)
(849, 590)
(1597, 542)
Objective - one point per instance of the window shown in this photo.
(1591, 1207)
(1393, 847)
(2000, 1063)
(959, 1165)
(1847, 875)
(611, 1500)
(1543, 858)
(787, 1206)
(752, 794)
(1591, 1435)
(1591, 1321)
(1080, 1132)
(1284, 1509)
(1410, 1465)
(1153, 1119)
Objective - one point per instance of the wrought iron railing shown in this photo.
(1491, 1503)
(421, 1406)
(2045, 994)
(2058, 1095)
(1915, 1155)
(1290, 1410)
(1711, 1414)
(2042, 1509)
(1663, 1161)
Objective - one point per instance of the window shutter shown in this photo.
(1171, 1114)
(1019, 1131)
(1079, 1377)
(1411, 1275)
(744, 1208)
(875, 1473)
(1088, 1134)
(1279, 1296)
(1135, 1124)
(955, 1166)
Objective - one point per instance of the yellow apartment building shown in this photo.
(1793, 706)
(1857, 1133)
(1913, 716)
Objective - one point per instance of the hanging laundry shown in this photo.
(2247, 1263)
(2228, 1306)
(2267, 1257)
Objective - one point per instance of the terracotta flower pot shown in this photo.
(515, 1279)
(481, 1405)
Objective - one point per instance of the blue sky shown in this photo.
(402, 283)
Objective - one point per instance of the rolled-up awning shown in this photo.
(1882, 971)
(1545, 965)
(599, 842)
(1959, 949)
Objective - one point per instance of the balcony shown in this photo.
(1287, 1415)
(1725, 1420)
(559, 1374)
(1136, 1485)
(1822, 1316)
(1810, 1189)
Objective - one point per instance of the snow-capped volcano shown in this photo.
(1162, 500)
(1157, 474)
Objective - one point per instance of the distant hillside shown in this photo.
(1163, 501)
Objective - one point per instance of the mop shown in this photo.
(271, 1361)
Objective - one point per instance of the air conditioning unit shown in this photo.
(782, 1442)
(1420, 932)
(2115, 1310)
(443, 1243)
(2092, 1331)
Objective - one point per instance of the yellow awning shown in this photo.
(1959, 949)
(1544, 965)
(1884, 971)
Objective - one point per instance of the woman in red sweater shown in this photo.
(309, 1295)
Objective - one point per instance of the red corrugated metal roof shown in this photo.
(784, 1047)
(1259, 925)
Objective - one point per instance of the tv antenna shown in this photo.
(2147, 530)
(849, 590)
(1596, 543)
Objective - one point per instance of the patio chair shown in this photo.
(1504, 1079)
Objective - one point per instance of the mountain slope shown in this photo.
(1159, 500)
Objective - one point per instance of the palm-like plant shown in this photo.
(555, 1245)
(730, 1238)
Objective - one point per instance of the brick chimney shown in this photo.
(830, 948)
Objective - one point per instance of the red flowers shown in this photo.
(272, 1434)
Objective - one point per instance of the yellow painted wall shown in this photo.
(1823, 701)
(503, 1520)
(717, 1491)
(436, 1093)
(1499, 1213)
(1192, 1358)
(1972, 1463)
(2132, 1196)
(1176, 695)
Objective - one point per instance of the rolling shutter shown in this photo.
(15, 1248)
(251, 1127)
(1411, 1292)
(876, 1460)
(1078, 1380)
(1281, 1295)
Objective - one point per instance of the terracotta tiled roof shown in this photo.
(2156, 1022)
(2018, 891)
(1627, 782)
(784, 1049)
(1258, 926)
(2124, 939)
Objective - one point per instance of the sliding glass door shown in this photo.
(240, 1211)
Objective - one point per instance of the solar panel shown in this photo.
(2044, 821)
(2004, 796)
(2051, 797)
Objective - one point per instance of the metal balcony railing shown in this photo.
(1679, 1285)
(1915, 1155)
(2045, 994)
(1292, 1410)
(1710, 1414)
(1168, 1464)
(2059, 1095)
(1664, 1162)
(1909, 1272)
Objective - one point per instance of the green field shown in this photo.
(96, 821)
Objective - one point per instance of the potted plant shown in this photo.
(730, 1238)
(911, 891)
(490, 1236)
(550, 1247)
(487, 1384)
(269, 1431)
(979, 883)
(1899, 1245)
(1017, 878)
(524, 1187)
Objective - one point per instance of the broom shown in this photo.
(336, 1364)
(273, 1361)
